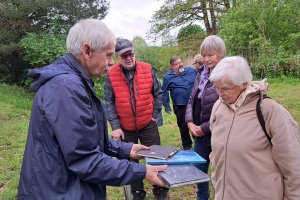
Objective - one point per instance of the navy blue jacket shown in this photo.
(179, 85)
(68, 154)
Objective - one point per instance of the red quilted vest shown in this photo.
(133, 118)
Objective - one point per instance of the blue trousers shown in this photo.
(203, 149)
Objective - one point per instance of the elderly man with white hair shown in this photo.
(68, 154)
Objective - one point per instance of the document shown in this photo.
(181, 157)
(181, 175)
(160, 152)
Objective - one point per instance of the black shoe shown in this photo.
(161, 193)
(139, 195)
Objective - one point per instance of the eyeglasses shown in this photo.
(224, 90)
(124, 56)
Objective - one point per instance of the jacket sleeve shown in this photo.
(111, 111)
(157, 94)
(205, 127)
(284, 132)
(70, 114)
(165, 96)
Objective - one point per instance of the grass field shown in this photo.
(15, 104)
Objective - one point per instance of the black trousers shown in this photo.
(146, 136)
(186, 140)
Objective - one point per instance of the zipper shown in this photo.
(131, 99)
(225, 156)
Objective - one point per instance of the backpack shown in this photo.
(261, 118)
(293, 123)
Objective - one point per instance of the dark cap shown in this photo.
(122, 46)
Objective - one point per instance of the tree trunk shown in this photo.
(205, 17)
(213, 17)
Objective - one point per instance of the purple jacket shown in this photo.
(209, 97)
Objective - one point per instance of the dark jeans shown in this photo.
(186, 140)
(203, 149)
(147, 136)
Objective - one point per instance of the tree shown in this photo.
(43, 48)
(19, 17)
(176, 13)
(267, 33)
(189, 39)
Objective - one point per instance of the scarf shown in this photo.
(204, 78)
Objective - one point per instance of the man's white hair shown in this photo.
(91, 31)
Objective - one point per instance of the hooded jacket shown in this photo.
(244, 163)
(68, 151)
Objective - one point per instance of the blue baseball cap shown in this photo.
(122, 46)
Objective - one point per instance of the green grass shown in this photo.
(15, 104)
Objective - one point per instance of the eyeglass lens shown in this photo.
(124, 56)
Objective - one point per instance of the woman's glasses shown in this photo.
(224, 90)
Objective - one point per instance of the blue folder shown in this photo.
(181, 157)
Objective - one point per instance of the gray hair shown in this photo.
(91, 31)
(235, 68)
(198, 59)
(213, 45)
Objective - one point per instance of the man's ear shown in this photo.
(86, 49)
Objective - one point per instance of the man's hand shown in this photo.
(117, 134)
(151, 174)
(135, 148)
(195, 130)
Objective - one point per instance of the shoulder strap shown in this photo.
(261, 118)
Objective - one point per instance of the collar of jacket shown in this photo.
(75, 65)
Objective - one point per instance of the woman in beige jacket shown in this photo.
(245, 164)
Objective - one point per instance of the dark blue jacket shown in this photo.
(68, 151)
(179, 85)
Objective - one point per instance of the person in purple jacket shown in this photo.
(201, 101)
(179, 81)
(68, 153)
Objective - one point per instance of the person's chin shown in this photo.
(210, 66)
(129, 67)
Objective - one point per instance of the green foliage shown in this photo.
(19, 17)
(158, 57)
(41, 49)
(266, 33)
(176, 13)
(188, 31)
(189, 39)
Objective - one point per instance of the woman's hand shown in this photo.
(195, 130)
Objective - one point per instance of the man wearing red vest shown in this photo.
(133, 99)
